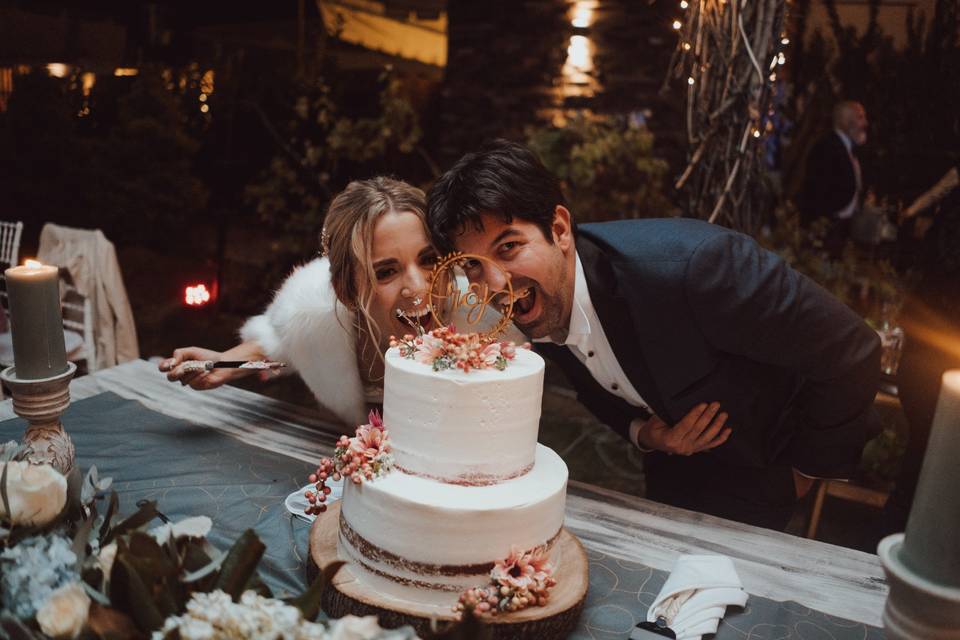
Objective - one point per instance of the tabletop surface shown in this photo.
(835, 580)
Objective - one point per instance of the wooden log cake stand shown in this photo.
(348, 595)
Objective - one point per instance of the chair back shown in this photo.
(78, 317)
(10, 242)
(9, 251)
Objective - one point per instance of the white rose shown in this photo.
(195, 527)
(37, 493)
(65, 612)
(354, 628)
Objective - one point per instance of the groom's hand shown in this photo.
(700, 430)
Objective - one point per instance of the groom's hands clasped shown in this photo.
(702, 429)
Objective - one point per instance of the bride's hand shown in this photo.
(200, 380)
(700, 430)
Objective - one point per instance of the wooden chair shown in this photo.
(852, 491)
(9, 251)
(77, 324)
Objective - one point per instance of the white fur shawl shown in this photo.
(306, 327)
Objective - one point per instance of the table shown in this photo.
(827, 578)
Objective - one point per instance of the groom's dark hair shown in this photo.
(502, 178)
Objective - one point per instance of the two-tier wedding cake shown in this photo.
(449, 502)
(469, 483)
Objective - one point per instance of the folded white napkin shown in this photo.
(696, 595)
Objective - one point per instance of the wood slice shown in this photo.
(349, 595)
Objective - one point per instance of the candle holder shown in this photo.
(923, 564)
(41, 402)
(917, 608)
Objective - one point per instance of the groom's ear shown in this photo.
(562, 228)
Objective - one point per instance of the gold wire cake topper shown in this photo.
(446, 297)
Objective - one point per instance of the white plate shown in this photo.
(296, 502)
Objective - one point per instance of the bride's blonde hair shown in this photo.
(347, 240)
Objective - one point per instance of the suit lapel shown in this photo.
(615, 318)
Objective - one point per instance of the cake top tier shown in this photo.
(444, 349)
(456, 423)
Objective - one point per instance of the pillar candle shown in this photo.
(36, 321)
(932, 544)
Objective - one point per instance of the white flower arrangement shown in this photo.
(61, 562)
(214, 616)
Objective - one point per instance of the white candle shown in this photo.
(932, 544)
(36, 321)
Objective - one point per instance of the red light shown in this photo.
(196, 295)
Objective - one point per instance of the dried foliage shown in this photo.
(725, 57)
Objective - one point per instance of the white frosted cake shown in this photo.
(468, 486)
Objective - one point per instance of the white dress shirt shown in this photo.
(851, 208)
(587, 341)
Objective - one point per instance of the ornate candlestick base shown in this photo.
(917, 608)
(41, 403)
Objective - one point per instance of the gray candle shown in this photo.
(36, 321)
(932, 544)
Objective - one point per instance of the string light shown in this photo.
(677, 24)
(204, 108)
(781, 59)
(756, 133)
(785, 41)
(773, 77)
(686, 46)
(684, 4)
(690, 80)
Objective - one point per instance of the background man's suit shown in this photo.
(697, 313)
(830, 182)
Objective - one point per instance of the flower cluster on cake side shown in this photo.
(444, 348)
(521, 580)
(365, 456)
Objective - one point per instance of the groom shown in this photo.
(670, 328)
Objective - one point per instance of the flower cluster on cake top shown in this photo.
(522, 580)
(444, 348)
(363, 457)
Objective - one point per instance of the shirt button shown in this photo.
(589, 354)
(614, 386)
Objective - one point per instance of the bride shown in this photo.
(332, 319)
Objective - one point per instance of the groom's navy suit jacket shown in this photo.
(697, 313)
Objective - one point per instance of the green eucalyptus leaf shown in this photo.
(205, 570)
(3, 493)
(130, 595)
(11, 450)
(149, 558)
(309, 601)
(108, 517)
(95, 594)
(146, 513)
(73, 509)
(81, 539)
(240, 564)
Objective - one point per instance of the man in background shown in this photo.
(833, 183)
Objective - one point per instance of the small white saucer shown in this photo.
(296, 502)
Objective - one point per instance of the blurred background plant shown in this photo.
(607, 167)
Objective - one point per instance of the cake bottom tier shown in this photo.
(418, 540)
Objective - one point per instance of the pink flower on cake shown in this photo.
(369, 442)
(521, 580)
(444, 348)
(521, 570)
(363, 457)
(429, 349)
(491, 353)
